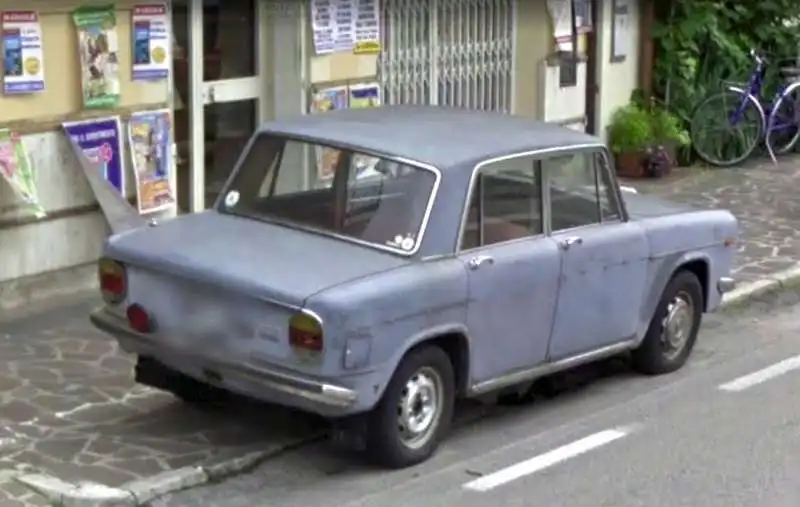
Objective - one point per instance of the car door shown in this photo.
(603, 256)
(512, 268)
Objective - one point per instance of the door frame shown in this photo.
(204, 93)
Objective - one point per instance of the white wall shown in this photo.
(617, 79)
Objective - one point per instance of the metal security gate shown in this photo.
(450, 52)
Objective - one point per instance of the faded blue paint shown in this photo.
(222, 289)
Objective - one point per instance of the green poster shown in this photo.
(16, 169)
(98, 47)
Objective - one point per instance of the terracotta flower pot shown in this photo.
(630, 164)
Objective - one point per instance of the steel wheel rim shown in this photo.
(420, 407)
(677, 325)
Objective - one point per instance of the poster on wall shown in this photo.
(345, 25)
(150, 138)
(98, 49)
(324, 100)
(17, 170)
(151, 42)
(23, 58)
(100, 141)
(561, 15)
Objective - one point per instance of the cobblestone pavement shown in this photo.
(69, 408)
(764, 197)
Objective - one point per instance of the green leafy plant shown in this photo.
(668, 127)
(630, 129)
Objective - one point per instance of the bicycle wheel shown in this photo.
(726, 127)
(783, 126)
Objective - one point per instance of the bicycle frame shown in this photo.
(753, 90)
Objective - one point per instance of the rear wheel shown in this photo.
(783, 129)
(673, 330)
(416, 410)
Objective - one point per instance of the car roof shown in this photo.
(444, 137)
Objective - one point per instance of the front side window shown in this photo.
(365, 198)
(505, 203)
(580, 190)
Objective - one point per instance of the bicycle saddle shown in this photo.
(790, 72)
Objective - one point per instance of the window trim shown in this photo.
(437, 173)
(597, 147)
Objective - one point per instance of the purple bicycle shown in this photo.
(727, 127)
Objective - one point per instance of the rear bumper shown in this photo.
(726, 284)
(322, 398)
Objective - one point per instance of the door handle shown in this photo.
(567, 243)
(476, 262)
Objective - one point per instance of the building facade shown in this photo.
(237, 64)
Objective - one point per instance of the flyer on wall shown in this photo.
(17, 170)
(150, 138)
(324, 100)
(151, 42)
(23, 58)
(100, 141)
(365, 95)
(98, 48)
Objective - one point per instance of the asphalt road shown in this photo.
(722, 432)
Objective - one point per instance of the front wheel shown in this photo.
(673, 329)
(416, 410)
(726, 128)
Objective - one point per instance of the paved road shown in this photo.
(722, 432)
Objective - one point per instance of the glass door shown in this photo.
(218, 91)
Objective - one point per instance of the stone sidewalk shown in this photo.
(764, 198)
(70, 410)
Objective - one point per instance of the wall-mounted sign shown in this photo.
(151, 42)
(346, 25)
(23, 58)
(17, 170)
(100, 141)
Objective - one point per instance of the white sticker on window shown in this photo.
(232, 198)
(398, 240)
(407, 244)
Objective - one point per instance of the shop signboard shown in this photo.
(100, 141)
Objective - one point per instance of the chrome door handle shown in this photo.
(567, 243)
(476, 262)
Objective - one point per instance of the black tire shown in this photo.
(385, 444)
(654, 356)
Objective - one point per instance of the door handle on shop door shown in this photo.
(567, 243)
(476, 262)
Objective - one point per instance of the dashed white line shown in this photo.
(546, 460)
(761, 376)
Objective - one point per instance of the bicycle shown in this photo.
(776, 122)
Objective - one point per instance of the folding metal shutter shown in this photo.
(450, 52)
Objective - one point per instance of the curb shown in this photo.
(747, 292)
(59, 493)
(140, 492)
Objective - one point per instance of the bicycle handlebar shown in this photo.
(760, 59)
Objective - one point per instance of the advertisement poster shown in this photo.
(100, 140)
(151, 42)
(16, 169)
(23, 58)
(98, 47)
(345, 25)
(150, 138)
(323, 100)
(365, 95)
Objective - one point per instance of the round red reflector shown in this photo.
(139, 319)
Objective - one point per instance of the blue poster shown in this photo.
(100, 140)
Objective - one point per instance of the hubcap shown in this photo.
(420, 407)
(677, 324)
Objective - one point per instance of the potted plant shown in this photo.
(630, 133)
(668, 131)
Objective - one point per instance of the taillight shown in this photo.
(139, 319)
(113, 282)
(305, 332)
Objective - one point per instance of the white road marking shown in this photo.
(546, 460)
(761, 376)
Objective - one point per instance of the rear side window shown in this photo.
(505, 204)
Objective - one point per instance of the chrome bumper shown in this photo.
(327, 394)
(726, 284)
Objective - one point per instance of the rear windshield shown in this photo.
(354, 195)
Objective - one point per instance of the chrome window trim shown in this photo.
(545, 188)
(437, 173)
